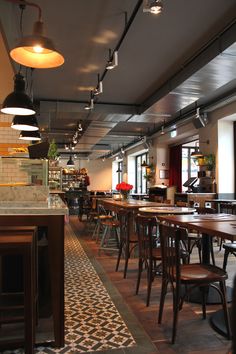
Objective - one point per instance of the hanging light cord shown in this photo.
(27, 3)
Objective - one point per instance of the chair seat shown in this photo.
(230, 247)
(111, 223)
(156, 253)
(194, 273)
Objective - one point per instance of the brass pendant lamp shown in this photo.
(36, 50)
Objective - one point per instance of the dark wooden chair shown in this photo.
(149, 250)
(195, 239)
(23, 243)
(186, 276)
(230, 248)
(127, 242)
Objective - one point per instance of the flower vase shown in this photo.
(124, 196)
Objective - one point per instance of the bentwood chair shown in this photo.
(149, 251)
(183, 278)
(128, 242)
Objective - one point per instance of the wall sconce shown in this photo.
(18, 102)
(36, 50)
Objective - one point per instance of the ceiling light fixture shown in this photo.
(30, 135)
(70, 162)
(90, 106)
(29, 123)
(18, 102)
(153, 6)
(80, 128)
(197, 153)
(144, 164)
(36, 50)
(113, 60)
(99, 89)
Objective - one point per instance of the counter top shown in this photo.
(54, 206)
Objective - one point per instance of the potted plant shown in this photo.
(53, 153)
(210, 163)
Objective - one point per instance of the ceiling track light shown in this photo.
(18, 102)
(30, 135)
(90, 106)
(99, 89)
(29, 123)
(36, 50)
(113, 60)
(153, 6)
(79, 128)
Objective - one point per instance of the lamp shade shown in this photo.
(70, 162)
(28, 123)
(18, 102)
(37, 51)
(144, 164)
(196, 154)
(30, 135)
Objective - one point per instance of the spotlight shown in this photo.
(99, 89)
(113, 60)
(153, 6)
(90, 106)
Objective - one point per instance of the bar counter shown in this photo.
(49, 214)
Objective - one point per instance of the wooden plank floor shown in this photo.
(194, 334)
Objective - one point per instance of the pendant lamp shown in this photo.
(144, 164)
(37, 51)
(18, 102)
(70, 162)
(30, 135)
(28, 123)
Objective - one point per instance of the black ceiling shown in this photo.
(162, 73)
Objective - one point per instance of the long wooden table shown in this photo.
(52, 216)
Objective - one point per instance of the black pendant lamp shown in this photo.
(70, 162)
(144, 164)
(28, 123)
(18, 102)
(30, 135)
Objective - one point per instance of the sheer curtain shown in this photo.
(175, 167)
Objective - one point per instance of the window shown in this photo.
(189, 168)
(140, 181)
(119, 171)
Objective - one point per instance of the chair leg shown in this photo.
(140, 268)
(162, 299)
(127, 255)
(225, 308)
(226, 255)
(176, 300)
(149, 280)
(212, 253)
(204, 295)
(119, 255)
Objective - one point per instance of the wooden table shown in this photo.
(52, 216)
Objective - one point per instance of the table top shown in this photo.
(221, 200)
(183, 220)
(132, 203)
(223, 229)
(167, 210)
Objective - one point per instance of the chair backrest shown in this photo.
(226, 208)
(124, 219)
(147, 232)
(206, 210)
(172, 251)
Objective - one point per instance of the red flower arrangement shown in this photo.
(124, 188)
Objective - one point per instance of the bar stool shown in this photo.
(21, 242)
(110, 238)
